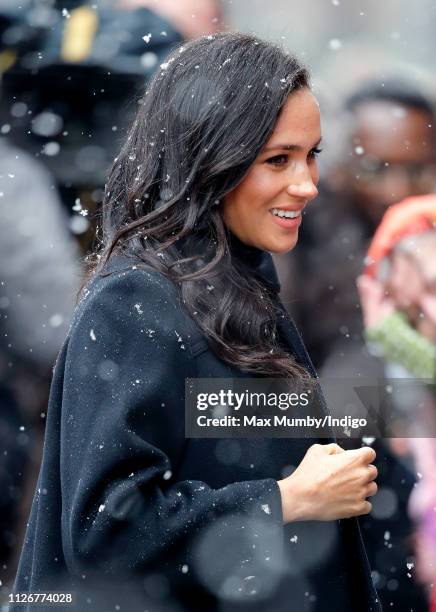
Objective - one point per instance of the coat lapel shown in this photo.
(290, 334)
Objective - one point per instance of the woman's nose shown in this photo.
(303, 189)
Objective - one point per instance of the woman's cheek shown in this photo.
(267, 186)
(314, 173)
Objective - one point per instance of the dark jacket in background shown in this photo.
(130, 513)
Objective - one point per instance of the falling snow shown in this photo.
(335, 44)
(139, 309)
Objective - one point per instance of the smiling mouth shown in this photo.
(286, 214)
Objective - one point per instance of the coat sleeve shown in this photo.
(122, 437)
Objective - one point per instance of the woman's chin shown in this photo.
(284, 244)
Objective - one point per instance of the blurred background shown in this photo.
(72, 73)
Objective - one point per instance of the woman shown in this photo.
(128, 512)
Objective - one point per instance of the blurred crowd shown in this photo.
(361, 286)
(361, 283)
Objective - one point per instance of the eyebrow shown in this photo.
(289, 147)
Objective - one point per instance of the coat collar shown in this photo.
(258, 262)
(290, 334)
(261, 262)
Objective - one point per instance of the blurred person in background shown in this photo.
(39, 280)
(389, 153)
(99, 54)
(192, 18)
(398, 289)
(398, 295)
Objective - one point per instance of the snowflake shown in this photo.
(335, 44)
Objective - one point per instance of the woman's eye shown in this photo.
(314, 153)
(277, 160)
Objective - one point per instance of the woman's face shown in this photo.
(264, 210)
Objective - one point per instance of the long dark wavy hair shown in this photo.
(203, 120)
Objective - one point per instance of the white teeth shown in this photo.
(289, 214)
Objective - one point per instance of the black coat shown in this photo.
(130, 513)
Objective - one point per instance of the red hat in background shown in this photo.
(412, 216)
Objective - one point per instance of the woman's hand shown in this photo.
(375, 304)
(329, 484)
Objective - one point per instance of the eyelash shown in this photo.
(313, 154)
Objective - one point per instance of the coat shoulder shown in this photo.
(134, 298)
